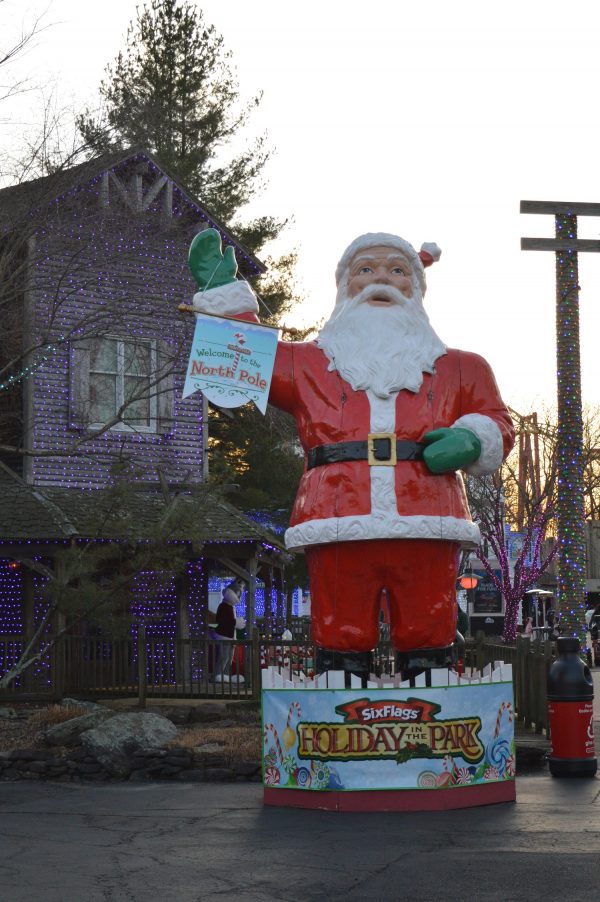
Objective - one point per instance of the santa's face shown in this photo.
(380, 266)
(378, 337)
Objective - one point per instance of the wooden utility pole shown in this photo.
(570, 509)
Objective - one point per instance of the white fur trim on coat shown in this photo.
(492, 449)
(227, 300)
(389, 526)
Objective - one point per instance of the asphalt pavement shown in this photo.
(178, 842)
(198, 842)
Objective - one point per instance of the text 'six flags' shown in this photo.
(412, 710)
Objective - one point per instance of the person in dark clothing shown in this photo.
(226, 625)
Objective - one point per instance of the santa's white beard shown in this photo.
(383, 349)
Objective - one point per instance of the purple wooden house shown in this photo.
(92, 359)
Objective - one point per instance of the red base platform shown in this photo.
(394, 800)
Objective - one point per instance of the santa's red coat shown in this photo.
(352, 500)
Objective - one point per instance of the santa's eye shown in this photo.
(364, 269)
(398, 270)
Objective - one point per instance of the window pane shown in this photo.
(136, 358)
(104, 355)
(103, 397)
(137, 412)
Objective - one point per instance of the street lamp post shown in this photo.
(468, 581)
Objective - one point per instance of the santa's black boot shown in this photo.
(422, 660)
(359, 663)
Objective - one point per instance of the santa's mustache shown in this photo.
(380, 292)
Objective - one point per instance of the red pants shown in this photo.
(346, 581)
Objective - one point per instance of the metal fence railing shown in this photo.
(202, 668)
(531, 661)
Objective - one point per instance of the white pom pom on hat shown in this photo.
(429, 253)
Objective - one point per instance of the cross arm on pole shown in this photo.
(560, 244)
(566, 212)
(557, 206)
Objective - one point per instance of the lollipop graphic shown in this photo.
(289, 735)
(272, 776)
(498, 752)
(303, 778)
(427, 779)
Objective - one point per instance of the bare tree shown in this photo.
(488, 503)
(9, 52)
(529, 474)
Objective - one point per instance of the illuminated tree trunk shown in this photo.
(569, 508)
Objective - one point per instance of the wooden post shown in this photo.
(289, 601)
(570, 509)
(58, 666)
(256, 674)
(182, 631)
(251, 596)
(271, 624)
(141, 662)
(28, 602)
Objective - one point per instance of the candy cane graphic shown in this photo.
(505, 706)
(271, 727)
(239, 337)
(289, 736)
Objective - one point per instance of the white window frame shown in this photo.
(120, 385)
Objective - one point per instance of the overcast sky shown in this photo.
(431, 120)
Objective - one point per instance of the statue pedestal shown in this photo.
(392, 748)
(395, 799)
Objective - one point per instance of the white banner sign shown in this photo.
(231, 361)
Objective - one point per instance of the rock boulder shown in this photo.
(116, 740)
(69, 732)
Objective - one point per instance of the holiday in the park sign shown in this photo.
(384, 739)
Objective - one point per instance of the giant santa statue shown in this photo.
(387, 416)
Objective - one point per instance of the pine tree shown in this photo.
(173, 92)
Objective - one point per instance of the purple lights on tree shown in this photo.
(527, 566)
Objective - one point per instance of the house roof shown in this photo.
(18, 202)
(25, 513)
(31, 513)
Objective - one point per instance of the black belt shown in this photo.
(381, 449)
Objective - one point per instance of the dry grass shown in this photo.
(242, 743)
(49, 716)
(17, 733)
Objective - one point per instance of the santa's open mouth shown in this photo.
(380, 301)
(381, 296)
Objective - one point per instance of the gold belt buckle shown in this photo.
(373, 462)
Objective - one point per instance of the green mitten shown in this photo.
(208, 265)
(450, 449)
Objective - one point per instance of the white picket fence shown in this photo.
(497, 672)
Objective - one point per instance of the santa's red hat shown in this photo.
(429, 253)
